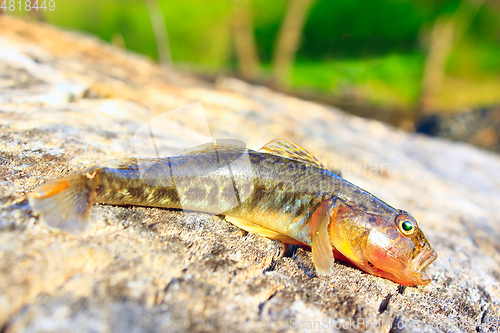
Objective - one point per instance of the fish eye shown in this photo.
(406, 224)
(407, 228)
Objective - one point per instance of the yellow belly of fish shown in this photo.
(279, 226)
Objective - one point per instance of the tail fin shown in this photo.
(64, 203)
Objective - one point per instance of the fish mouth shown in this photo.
(420, 263)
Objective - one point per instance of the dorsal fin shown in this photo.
(291, 150)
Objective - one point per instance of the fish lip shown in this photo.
(420, 264)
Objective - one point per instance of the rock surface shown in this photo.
(479, 127)
(68, 102)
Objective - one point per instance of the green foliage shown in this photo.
(358, 28)
(107, 18)
(393, 79)
(375, 49)
(199, 30)
(475, 59)
(268, 16)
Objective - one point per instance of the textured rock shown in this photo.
(479, 127)
(68, 102)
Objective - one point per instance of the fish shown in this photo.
(280, 191)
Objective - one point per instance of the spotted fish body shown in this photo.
(281, 192)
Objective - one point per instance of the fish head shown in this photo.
(399, 251)
(392, 246)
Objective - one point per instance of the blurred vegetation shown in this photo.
(406, 55)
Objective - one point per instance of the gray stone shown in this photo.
(68, 102)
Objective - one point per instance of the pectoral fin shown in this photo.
(322, 252)
(257, 229)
